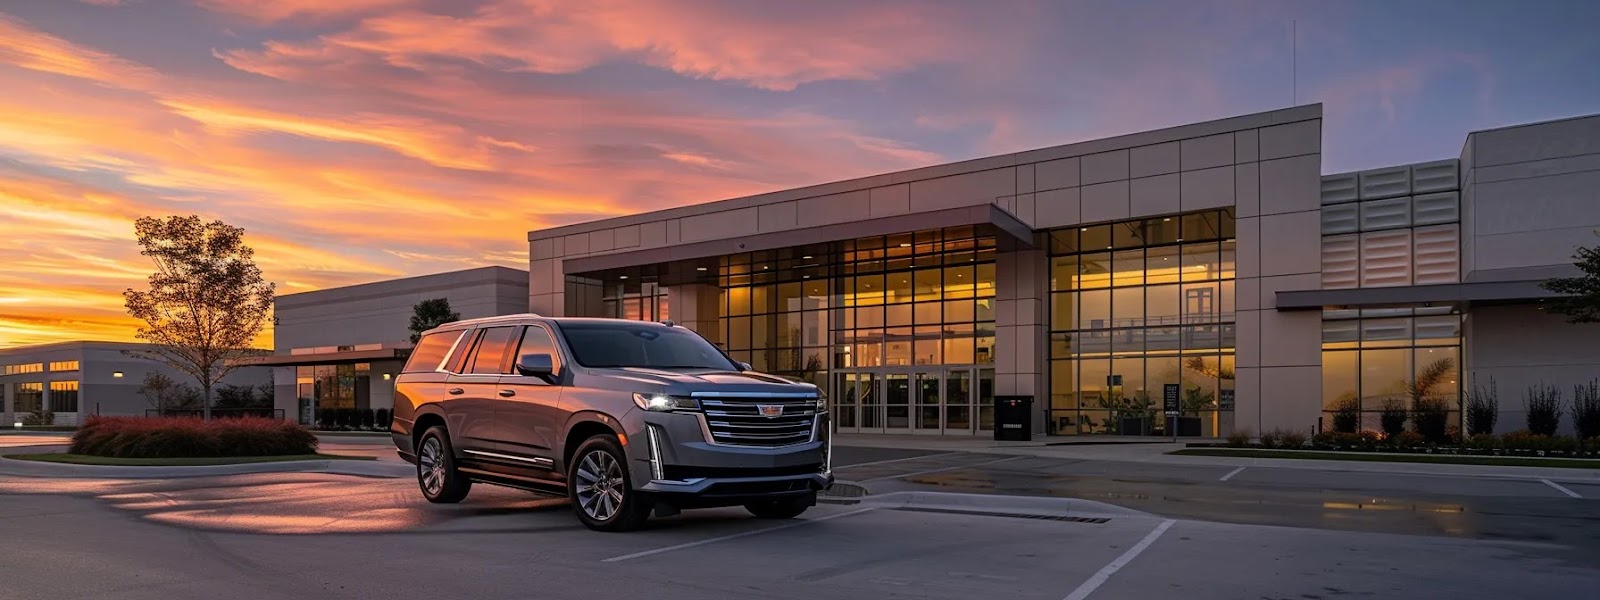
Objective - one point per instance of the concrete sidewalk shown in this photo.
(1157, 453)
(360, 468)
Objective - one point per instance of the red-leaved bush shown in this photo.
(172, 437)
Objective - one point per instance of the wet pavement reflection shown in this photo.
(285, 503)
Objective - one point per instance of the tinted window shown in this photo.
(430, 351)
(537, 341)
(492, 349)
(646, 345)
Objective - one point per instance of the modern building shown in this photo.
(71, 380)
(1213, 260)
(340, 348)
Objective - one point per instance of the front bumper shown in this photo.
(672, 458)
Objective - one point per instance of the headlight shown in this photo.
(665, 403)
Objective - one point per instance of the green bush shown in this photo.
(1293, 440)
(173, 437)
(1393, 418)
(1347, 415)
(1483, 409)
(1408, 439)
(1271, 439)
(1239, 438)
(1543, 404)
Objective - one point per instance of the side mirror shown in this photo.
(744, 366)
(542, 366)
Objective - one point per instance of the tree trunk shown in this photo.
(205, 402)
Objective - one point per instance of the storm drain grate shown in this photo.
(984, 513)
(842, 489)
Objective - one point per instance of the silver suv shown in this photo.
(625, 418)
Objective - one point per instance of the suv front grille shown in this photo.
(739, 420)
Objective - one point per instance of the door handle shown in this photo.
(508, 393)
(454, 391)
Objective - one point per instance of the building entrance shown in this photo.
(929, 400)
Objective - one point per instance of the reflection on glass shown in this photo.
(958, 401)
(897, 401)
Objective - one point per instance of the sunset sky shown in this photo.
(359, 140)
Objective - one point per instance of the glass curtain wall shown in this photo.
(29, 398)
(327, 389)
(1394, 357)
(1135, 306)
(872, 310)
(636, 300)
(64, 396)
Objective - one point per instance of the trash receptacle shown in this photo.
(1013, 418)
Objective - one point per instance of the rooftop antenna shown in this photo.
(1294, 62)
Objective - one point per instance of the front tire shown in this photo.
(782, 508)
(437, 476)
(601, 492)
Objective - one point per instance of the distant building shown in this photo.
(72, 380)
(339, 348)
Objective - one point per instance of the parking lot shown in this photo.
(1039, 528)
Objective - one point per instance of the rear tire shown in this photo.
(782, 508)
(601, 490)
(437, 476)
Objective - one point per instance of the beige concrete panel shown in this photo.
(653, 234)
(1025, 178)
(837, 208)
(1247, 232)
(1247, 190)
(719, 225)
(603, 240)
(1056, 208)
(1208, 152)
(1156, 159)
(962, 190)
(1056, 174)
(1291, 184)
(1290, 338)
(1105, 202)
(776, 217)
(628, 236)
(1247, 294)
(1291, 398)
(1208, 188)
(1291, 243)
(1293, 139)
(576, 244)
(1247, 330)
(1246, 146)
(1105, 166)
(890, 200)
(1151, 196)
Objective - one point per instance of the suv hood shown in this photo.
(686, 382)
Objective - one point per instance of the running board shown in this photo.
(532, 484)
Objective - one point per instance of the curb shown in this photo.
(358, 468)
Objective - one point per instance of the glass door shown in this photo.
(929, 388)
(897, 401)
(958, 401)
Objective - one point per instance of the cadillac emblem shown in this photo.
(770, 411)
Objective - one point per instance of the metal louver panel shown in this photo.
(1386, 258)
(1340, 188)
(1341, 259)
(1431, 209)
(1437, 254)
(1341, 218)
(1385, 183)
(1386, 214)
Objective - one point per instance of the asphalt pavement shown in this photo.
(938, 524)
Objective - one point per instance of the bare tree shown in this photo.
(207, 301)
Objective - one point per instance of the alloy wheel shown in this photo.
(599, 487)
(430, 465)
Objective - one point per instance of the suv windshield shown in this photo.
(639, 344)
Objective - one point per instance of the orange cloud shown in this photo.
(725, 42)
(272, 11)
(29, 48)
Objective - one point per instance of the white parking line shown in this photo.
(930, 471)
(1107, 571)
(1560, 488)
(731, 537)
(1231, 474)
(894, 460)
